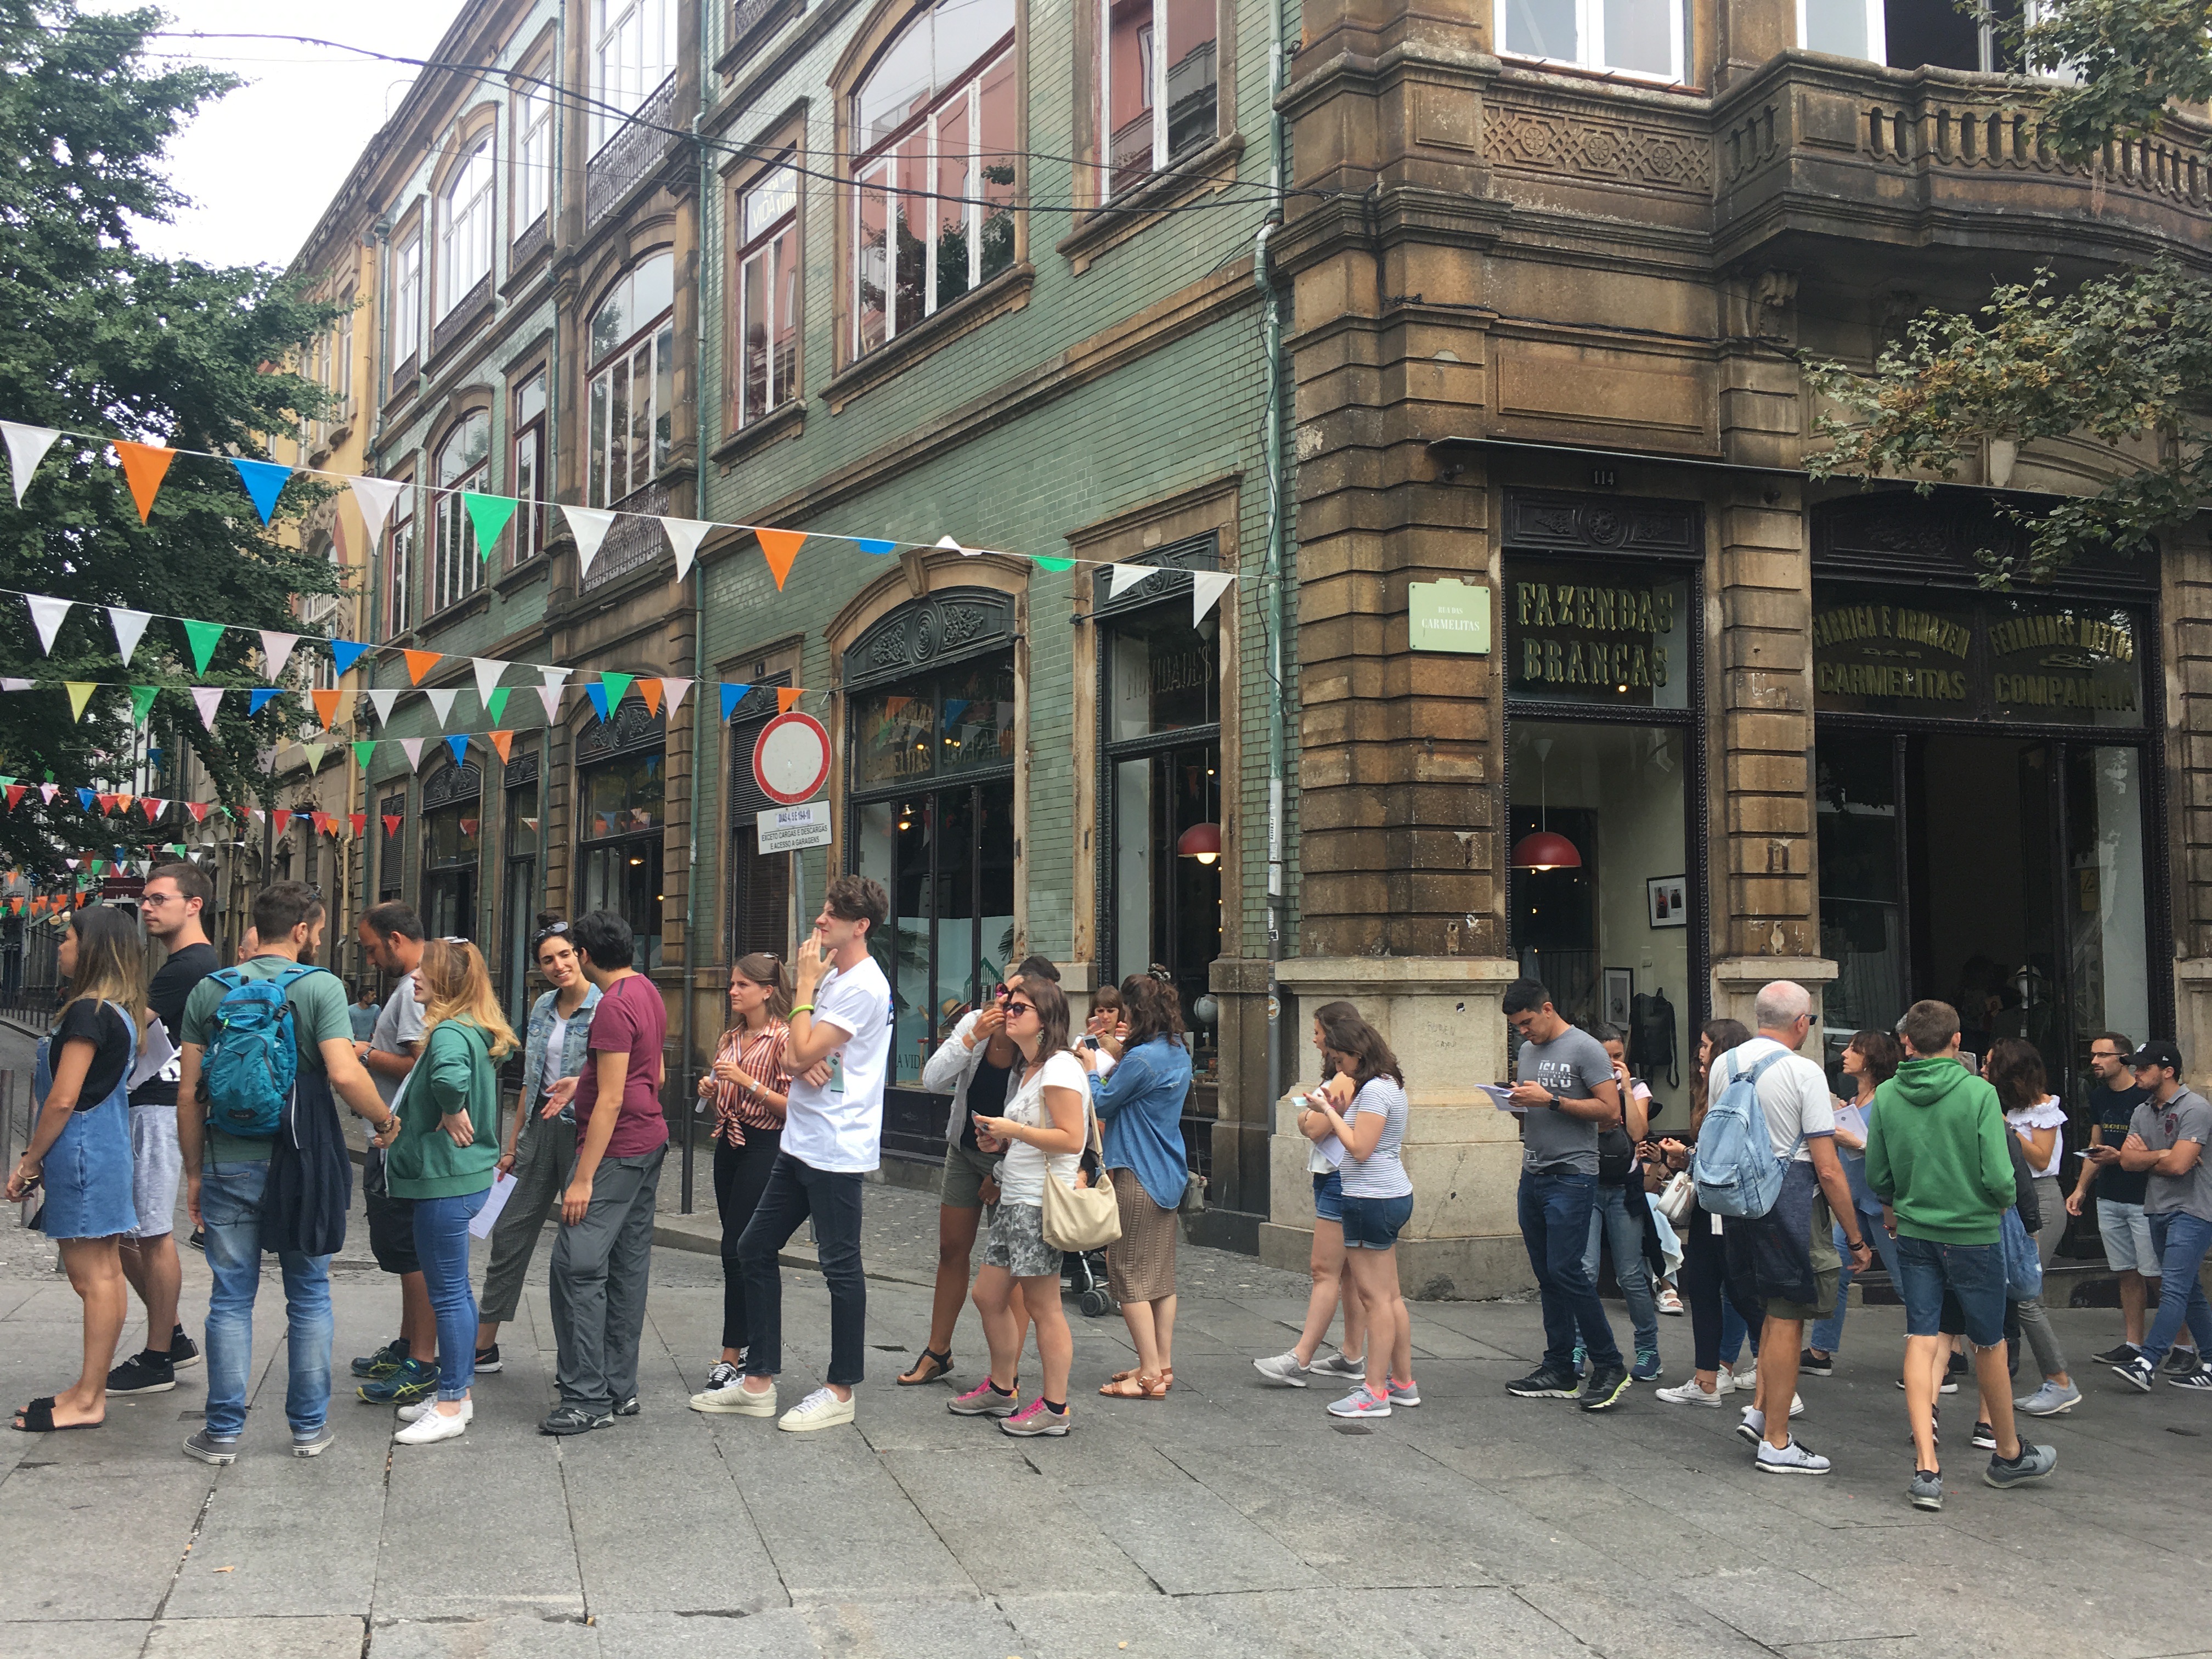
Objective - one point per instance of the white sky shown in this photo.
(262, 164)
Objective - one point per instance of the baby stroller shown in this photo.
(1083, 1273)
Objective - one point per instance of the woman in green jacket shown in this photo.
(444, 1160)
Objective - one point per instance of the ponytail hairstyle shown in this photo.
(460, 988)
(1366, 1056)
(763, 969)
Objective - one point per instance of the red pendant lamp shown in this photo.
(1201, 842)
(1544, 849)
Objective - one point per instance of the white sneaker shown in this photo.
(1690, 1395)
(412, 1413)
(1792, 1459)
(433, 1426)
(1724, 1381)
(733, 1401)
(820, 1410)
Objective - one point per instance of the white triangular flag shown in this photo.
(382, 700)
(947, 543)
(488, 673)
(550, 696)
(129, 625)
(13, 683)
(276, 652)
(671, 692)
(377, 497)
(589, 525)
(441, 703)
(685, 535)
(557, 676)
(1205, 587)
(412, 748)
(47, 614)
(207, 697)
(27, 448)
(1121, 578)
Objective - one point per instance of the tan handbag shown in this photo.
(1082, 1218)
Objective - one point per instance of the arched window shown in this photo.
(938, 113)
(463, 464)
(633, 379)
(465, 226)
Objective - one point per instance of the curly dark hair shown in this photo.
(2015, 1070)
(1153, 1008)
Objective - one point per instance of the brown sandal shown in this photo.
(941, 1365)
(1132, 1385)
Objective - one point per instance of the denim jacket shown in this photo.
(539, 1033)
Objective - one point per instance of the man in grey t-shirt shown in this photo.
(1565, 1095)
(2166, 1140)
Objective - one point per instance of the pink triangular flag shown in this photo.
(685, 535)
(550, 696)
(412, 748)
(376, 497)
(441, 702)
(207, 697)
(129, 625)
(276, 652)
(671, 692)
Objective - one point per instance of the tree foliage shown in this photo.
(99, 337)
(2124, 359)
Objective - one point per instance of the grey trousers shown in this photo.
(600, 1271)
(544, 1162)
(2034, 1320)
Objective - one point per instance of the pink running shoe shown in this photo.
(984, 1400)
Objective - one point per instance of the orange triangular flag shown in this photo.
(502, 741)
(326, 707)
(650, 690)
(144, 466)
(785, 696)
(420, 663)
(781, 547)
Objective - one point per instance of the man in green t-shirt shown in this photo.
(225, 1177)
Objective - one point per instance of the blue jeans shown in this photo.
(1952, 1290)
(441, 1245)
(2182, 1241)
(1610, 1220)
(230, 1215)
(1830, 1331)
(1555, 1222)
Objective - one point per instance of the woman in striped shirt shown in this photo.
(750, 1087)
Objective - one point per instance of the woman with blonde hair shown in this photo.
(750, 1087)
(80, 1147)
(444, 1160)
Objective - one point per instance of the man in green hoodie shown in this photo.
(1936, 1157)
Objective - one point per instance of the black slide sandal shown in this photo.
(38, 1419)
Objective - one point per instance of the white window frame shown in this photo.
(1877, 30)
(1590, 40)
(465, 225)
(529, 452)
(763, 246)
(407, 299)
(457, 568)
(399, 566)
(633, 51)
(598, 405)
(1160, 110)
(533, 151)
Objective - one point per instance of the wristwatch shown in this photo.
(1555, 1103)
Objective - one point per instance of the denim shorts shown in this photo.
(1952, 1290)
(1328, 1196)
(2125, 1231)
(1372, 1224)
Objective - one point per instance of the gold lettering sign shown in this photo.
(1982, 658)
(1598, 663)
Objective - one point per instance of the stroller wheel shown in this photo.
(1094, 1302)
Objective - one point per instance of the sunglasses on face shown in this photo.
(1020, 1007)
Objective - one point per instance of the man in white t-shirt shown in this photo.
(839, 1053)
(1800, 1127)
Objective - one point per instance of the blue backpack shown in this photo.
(254, 1056)
(1734, 1167)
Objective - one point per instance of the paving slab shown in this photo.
(324, 1637)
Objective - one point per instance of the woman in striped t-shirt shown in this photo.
(750, 1087)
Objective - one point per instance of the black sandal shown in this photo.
(942, 1361)
(38, 1419)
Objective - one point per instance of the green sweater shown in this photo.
(1937, 1153)
(454, 1075)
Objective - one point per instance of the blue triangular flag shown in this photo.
(460, 746)
(345, 654)
(259, 697)
(869, 544)
(264, 481)
(597, 693)
(85, 798)
(731, 697)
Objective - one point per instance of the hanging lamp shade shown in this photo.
(1546, 849)
(1201, 842)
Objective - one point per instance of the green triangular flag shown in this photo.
(99, 867)
(496, 704)
(1050, 564)
(142, 701)
(490, 514)
(617, 688)
(176, 846)
(362, 748)
(203, 636)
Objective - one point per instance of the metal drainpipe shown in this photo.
(698, 667)
(1278, 744)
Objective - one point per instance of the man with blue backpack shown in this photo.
(1767, 1163)
(266, 1046)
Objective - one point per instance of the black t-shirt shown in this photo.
(986, 1093)
(87, 1021)
(2112, 1108)
(172, 988)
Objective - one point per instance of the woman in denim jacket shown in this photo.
(541, 1142)
(1140, 1103)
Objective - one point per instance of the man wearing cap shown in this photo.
(2166, 1140)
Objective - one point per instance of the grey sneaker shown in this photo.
(210, 1450)
(2049, 1400)
(1926, 1491)
(315, 1445)
(1792, 1459)
(1284, 1368)
(1341, 1363)
(2033, 1464)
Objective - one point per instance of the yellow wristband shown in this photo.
(804, 1008)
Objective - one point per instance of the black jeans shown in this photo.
(795, 1191)
(1705, 1283)
(741, 1177)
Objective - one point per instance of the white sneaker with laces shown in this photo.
(433, 1426)
(1690, 1395)
(820, 1410)
(1284, 1368)
(412, 1413)
(733, 1401)
(1792, 1459)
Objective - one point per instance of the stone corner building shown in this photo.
(1550, 303)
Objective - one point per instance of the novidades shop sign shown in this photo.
(1998, 657)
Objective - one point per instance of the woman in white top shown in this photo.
(1043, 1130)
(1379, 1200)
(1331, 1286)
(2015, 1069)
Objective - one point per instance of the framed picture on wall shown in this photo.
(1669, 898)
(1619, 990)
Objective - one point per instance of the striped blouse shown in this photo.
(760, 1057)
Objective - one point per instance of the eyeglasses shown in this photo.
(1018, 1007)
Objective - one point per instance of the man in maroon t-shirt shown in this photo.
(604, 1253)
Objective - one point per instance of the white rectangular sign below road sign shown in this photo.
(787, 829)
